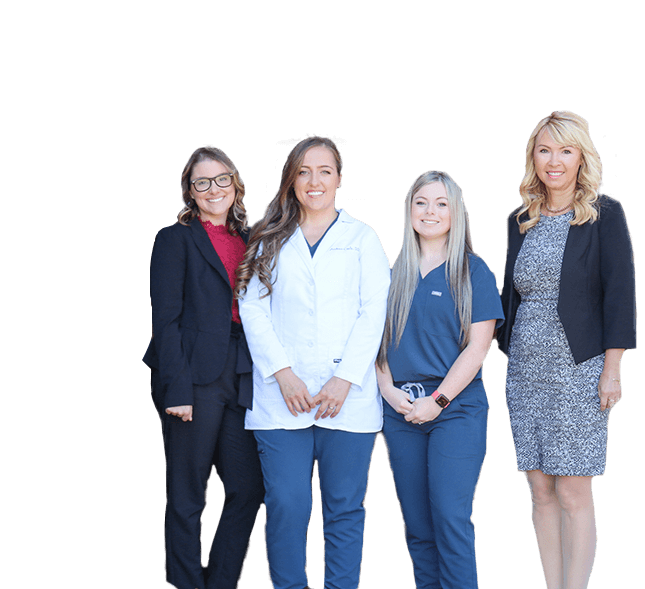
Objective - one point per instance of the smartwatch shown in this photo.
(441, 400)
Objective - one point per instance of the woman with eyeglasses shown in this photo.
(442, 310)
(201, 373)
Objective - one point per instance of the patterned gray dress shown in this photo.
(553, 403)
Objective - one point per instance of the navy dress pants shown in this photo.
(215, 437)
(436, 466)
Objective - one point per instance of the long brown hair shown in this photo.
(280, 220)
(236, 217)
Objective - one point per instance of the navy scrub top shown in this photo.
(430, 342)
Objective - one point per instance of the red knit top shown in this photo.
(230, 249)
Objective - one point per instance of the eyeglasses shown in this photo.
(204, 184)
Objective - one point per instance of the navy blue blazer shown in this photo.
(191, 300)
(597, 303)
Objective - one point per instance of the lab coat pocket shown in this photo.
(345, 264)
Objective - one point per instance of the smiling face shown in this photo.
(215, 202)
(317, 181)
(556, 165)
(430, 213)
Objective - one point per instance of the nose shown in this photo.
(314, 178)
(433, 209)
(554, 157)
(214, 188)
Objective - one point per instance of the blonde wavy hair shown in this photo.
(236, 217)
(405, 272)
(566, 129)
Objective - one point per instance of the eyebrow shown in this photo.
(561, 146)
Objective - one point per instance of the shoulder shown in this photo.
(345, 218)
(174, 239)
(608, 207)
(174, 231)
(477, 265)
(170, 235)
(610, 223)
(512, 218)
(484, 285)
(356, 227)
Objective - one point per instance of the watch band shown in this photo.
(441, 400)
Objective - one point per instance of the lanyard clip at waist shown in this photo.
(418, 391)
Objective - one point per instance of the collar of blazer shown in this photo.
(203, 243)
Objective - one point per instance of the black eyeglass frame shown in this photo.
(211, 180)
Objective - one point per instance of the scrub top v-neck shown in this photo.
(430, 342)
(314, 247)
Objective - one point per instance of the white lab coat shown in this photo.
(324, 318)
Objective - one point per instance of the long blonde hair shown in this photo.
(405, 272)
(565, 128)
(280, 220)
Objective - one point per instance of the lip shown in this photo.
(554, 174)
(214, 200)
(314, 193)
(429, 222)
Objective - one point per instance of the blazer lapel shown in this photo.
(204, 245)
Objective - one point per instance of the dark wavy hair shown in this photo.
(236, 217)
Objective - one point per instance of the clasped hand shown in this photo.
(417, 411)
(329, 400)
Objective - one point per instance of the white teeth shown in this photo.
(215, 199)
(314, 193)
(555, 173)
(430, 222)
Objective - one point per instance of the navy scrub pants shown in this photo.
(436, 466)
(287, 458)
(215, 437)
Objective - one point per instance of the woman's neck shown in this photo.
(314, 224)
(558, 202)
(433, 254)
(321, 218)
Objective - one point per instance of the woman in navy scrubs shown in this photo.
(443, 308)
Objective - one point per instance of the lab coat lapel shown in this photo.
(299, 244)
(335, 232)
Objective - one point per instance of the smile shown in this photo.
(555, 174)
(430, 222)
(213, 200)
(314, 193)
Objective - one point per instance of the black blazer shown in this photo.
(191, 314)
(597, 303)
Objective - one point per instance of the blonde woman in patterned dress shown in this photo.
(570, 313)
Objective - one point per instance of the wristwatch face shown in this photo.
(442, 401)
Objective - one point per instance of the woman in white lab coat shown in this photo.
(313, 289)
